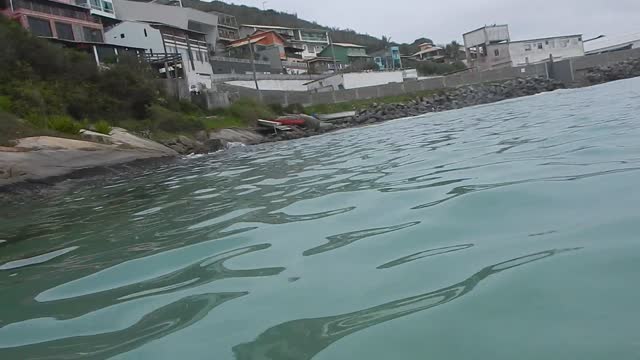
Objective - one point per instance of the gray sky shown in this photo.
(443, 21)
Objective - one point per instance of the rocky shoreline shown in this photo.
(622, 70)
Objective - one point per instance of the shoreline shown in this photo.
(132, 152)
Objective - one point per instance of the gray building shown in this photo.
(491, 47)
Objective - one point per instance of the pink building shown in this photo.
(57, 20)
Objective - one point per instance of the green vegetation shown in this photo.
(103, 127)
(427, 68)
(64, 124)
(362, 104)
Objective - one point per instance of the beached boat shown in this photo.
(336, 116)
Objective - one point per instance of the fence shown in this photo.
(574, 71)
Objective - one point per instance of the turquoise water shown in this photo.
(505, 231)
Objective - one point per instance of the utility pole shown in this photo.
(253, 67)
(263, 5)
(333, 53)
(11, 4)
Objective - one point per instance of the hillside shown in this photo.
(252, 15)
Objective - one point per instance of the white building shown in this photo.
(491, 47)
(172, 32)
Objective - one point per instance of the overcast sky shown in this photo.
(443, 21)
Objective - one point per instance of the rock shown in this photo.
(214, 145)
(244, 136)
(96, 137)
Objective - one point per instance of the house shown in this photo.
(346, 54)
(388, 59)
(182, 35)
(605, 44)
(274, 47)
(429, 52)
(491, 47)
(323, 65)
(311, 41)
(66, 24)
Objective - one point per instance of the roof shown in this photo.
(486, 26)
(429, 50)
(267, 27)
(244, 42)
(612, 42)
(547, 38)
(348, 45)
(321, 58)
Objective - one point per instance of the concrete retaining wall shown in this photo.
(393, 89)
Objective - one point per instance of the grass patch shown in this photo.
(103, 127)
(64, 124)
(12, 128)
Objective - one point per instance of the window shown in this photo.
(546, 42)
(540, 46)
(199, 56)
(121, 36)
(65, 31)
(40, 27)
(107, 7)
(145, 32)
(527, 47)
(496, 52)
(92, 35)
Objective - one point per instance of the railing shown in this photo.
(162, 58)
(238, 60)
(295, 64)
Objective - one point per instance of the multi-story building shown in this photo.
(491, 47)
(58, 20)
(311, 41)
(285, 56)
(102, 8)
(169, 32)
(228, 31)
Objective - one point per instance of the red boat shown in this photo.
(291, 122)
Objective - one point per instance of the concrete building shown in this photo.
(491, 47)
(311, 41)
(178, 17)
(388, 59)
(183, 36)
(285, 57)
(228, 31)
(606, 44)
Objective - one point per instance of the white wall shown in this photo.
(134, 36)
(285, 85)
(327, 84)
(486, 35)
(524, 52)
(358, 80)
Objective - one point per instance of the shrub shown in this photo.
(431, 68)
(64, 124)
(250, 110)
(103, 127)
(294, 109)
(171, 121)
(5, 103)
